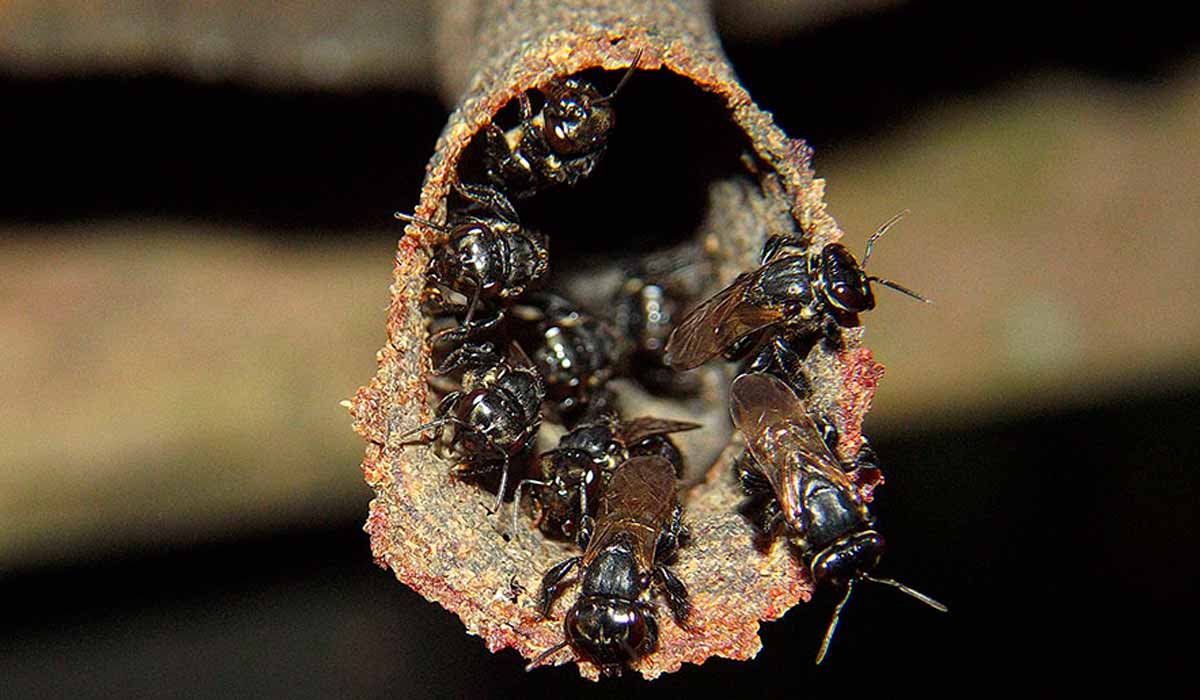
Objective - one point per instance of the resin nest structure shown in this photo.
(689, 136)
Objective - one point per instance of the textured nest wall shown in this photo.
(433, 530)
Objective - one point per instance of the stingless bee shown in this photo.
(561, 144)
(488, 258)
(636, 531)
(576, 352)
(573, 474)
(805, 490)
(493, 419)
(645, 313)
(777, 308)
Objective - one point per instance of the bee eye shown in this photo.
(847, 297)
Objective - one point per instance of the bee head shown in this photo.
(610, 631)
(578, 118)
(847, 286)
(468, 261)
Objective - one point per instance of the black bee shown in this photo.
(636, 531)
(492, 419)
(488, 258)
(579, 469)
(576, 352)
(559, 145)
(645, 313)
(805, 489)
(773, 310)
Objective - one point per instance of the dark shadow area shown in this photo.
(111, 146)
(672, 140)
(1054, 539)
(871, 72)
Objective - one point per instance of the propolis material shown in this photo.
(434, 531)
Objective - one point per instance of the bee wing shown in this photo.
(638, 429)
(639, 501)
(642, 489)
(710, 328)
(782, 437)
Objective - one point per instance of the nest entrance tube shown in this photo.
(692, 164)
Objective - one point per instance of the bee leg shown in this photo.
(741, 347)
(475, 466)
(781, 358)
(866, 456)
(437, 302)
(457, 334)
(504, 168)
(829, 431)
(472, 356)
(551, 582)
(446, 403)
(777, 244)
(675, 592)
(443, 385)
(470, 329)
(516, 509)
(485, 461)
(586, 523)
(489, 199)
(526, 110)
(496, 152)
(534, 149)
(754, 483)
(832, 332)
(670, 537)
(536, 152)
(791, 365)
(769, 519)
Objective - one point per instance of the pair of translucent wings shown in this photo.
(639, 501)
(781, 436)
(716, 324)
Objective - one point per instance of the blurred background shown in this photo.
(195, 250)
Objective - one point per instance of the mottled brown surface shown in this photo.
(432, 530)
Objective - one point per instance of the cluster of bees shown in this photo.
(512, 354)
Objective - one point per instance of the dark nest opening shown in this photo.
(675, 168)
(650, 192)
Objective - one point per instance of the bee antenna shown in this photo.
(624, 79)
(474, 303)
(879, 233)
(422, 428)
(914, 593)
(900, 288)
(542, 656)
(833, 623)
(423, 222)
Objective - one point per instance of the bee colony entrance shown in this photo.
(673, 201)
(693, 181)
